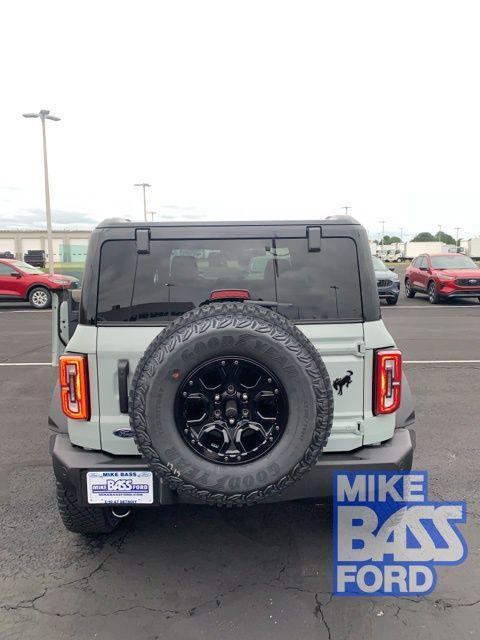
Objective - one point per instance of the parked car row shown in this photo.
(443, 276)
(440, 276)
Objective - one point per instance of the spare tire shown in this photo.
(231, 404)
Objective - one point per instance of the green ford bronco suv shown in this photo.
(222, 363)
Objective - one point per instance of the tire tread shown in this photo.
(245, 316)
(79, 519)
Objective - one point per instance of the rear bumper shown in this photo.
(71, 463)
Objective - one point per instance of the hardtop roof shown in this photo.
(126, 223)
(113, 229)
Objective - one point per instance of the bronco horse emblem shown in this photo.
(339, 383)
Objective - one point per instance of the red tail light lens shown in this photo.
(387, 381)
(230, 294)
(74, 386)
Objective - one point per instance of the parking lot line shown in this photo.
(441, 362)
(432, 306)
(26, 311)
(24, 364)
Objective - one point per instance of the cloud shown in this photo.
(177, 206)
(178, 215)
(35, 219)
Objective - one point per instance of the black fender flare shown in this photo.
(57, 420)
(405, 414)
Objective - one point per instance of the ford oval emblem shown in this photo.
(123, 433)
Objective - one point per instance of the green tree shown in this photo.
(390, 239)
(445, 237)
(425, 236)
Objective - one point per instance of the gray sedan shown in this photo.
(388, 283)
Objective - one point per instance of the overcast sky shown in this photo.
(244, 109)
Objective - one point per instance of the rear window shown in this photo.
(179, 275)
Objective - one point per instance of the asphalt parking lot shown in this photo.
(199, 572)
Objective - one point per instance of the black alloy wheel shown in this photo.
(409, 291)
(433, 296)
(231, 410)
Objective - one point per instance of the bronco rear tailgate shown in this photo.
(341, 346)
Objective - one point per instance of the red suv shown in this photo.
(443, 275)
(20, 281)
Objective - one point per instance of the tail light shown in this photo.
(230, 294)
(387, 381)
(74, 386)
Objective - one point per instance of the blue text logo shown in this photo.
(389, 537)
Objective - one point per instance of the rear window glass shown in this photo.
(179, 275)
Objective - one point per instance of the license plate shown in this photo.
(120, 487)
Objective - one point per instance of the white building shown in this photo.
(473, 247)
(415, 248)
(68, 246)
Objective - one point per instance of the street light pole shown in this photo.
(44, 114)
(346, 210)
(151, 213)
(47, 201)
(383, 231)
(143, 185)
(457, 230)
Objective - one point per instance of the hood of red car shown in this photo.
(47, 276)
(60, 276)
(56, 278)
(460, 273)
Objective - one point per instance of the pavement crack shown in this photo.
(24, 604)
(447, 604)
(319, 613)
(30, 603)
(293, 588)
(80, 614)
(441, 603)
(281, 573)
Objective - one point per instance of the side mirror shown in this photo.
(392, 268)
(424, 269)
(15, 274)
